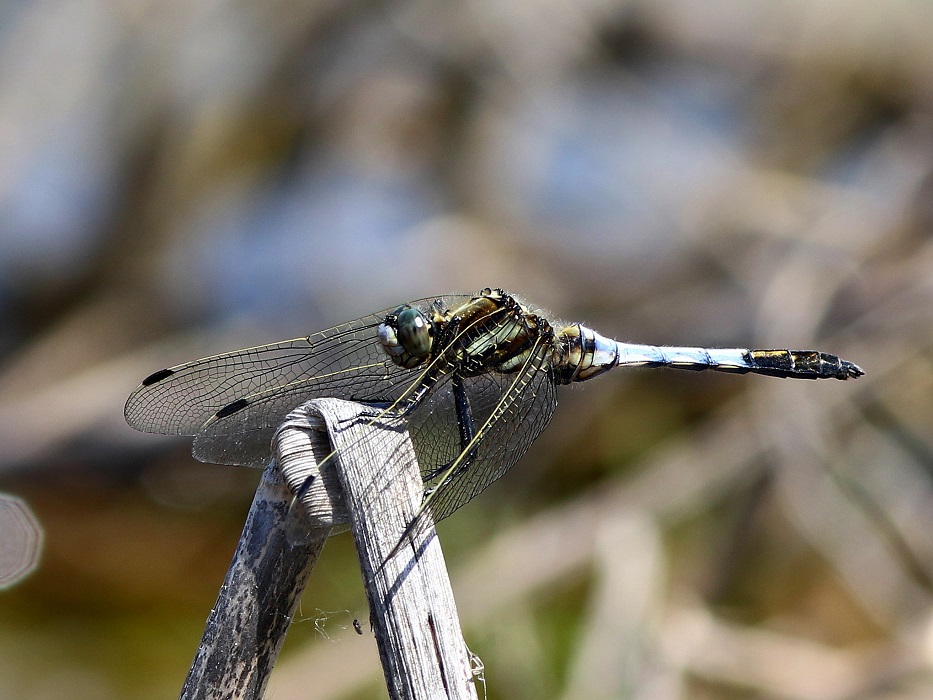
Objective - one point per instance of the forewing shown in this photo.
(234, 401)
(242, 432)
(178, 400)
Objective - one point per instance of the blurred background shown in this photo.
(183, 178)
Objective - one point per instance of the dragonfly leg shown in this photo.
(464, 415)
(303, 489)
(467, 428)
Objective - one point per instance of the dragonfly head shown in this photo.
(407, 335)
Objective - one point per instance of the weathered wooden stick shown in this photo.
(412, 608)
(367, 475)
(259, 595)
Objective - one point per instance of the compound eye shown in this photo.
(415, 332)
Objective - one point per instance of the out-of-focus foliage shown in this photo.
(181, 178)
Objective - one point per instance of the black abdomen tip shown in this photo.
(850, 369)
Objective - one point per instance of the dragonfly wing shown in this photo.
(509, 412)
(241, 432)
(179, 400)
(234, 401)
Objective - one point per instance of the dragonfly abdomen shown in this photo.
(587, 354)
(796, 364)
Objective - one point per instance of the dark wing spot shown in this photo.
(232, 408)
(158, 376)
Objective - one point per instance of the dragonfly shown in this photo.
(472, 377)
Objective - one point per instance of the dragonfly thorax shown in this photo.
(492, 332)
